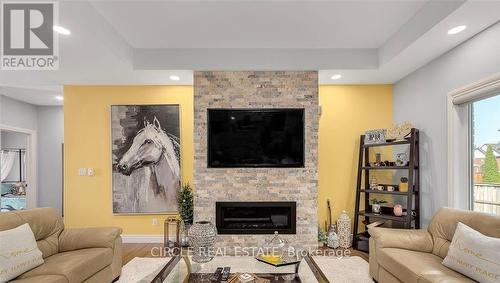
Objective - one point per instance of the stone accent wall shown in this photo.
(260, 89)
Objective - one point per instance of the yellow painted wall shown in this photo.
(347, 111)
(87, 143)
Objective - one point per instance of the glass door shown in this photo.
(485, 163)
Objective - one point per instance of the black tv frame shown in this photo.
(256, 165)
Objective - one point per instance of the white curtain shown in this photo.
(6, 162)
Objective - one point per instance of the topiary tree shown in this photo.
(185, 203)
(490, 169)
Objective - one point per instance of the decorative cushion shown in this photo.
(474, 255)
(18, 252)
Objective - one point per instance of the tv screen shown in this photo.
(255, 137)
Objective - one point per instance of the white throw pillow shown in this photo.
(18, 252)
(474, 255)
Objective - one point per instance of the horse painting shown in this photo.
(146, 171)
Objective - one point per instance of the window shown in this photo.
(485, 141)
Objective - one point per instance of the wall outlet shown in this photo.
(154, 222)
(82, 172)
(90, 171)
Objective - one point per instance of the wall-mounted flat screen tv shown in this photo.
(256, 137)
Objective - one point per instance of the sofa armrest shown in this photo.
(415, 240)
(84, 238)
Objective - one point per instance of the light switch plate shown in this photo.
(82, 172)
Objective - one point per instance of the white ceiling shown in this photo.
(144, 42)
(257, 24)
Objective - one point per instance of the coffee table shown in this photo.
(181, 269)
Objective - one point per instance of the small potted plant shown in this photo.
(185, 206)
(376, 205)
(322, 238)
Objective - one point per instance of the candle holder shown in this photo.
(171, 225)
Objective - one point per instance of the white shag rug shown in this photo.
(344, 269)
(337, 270)
(142, 269)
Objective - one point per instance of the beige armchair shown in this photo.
(398, 255)
(70, 255)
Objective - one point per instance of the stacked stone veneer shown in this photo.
(257, 90)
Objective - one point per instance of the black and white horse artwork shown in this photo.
(146, 167)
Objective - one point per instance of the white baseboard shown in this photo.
(143, 238)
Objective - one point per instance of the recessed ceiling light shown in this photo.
(174, 78)
(61, 30)
(336, 77)
(457, 29)
(59, 97)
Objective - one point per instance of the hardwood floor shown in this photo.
(149, 250)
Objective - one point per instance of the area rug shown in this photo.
(142, 269)
(337, 270)
(344, 269)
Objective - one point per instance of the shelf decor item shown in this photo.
(375, 136)
(398, 210)
(402, 159)
(376, 205)
(399, 132)
(373, 183)
(344, 230)
(202, 238)
(403, 185)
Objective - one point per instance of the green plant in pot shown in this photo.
(376, 205)
(185, 207)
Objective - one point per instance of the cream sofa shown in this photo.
(70, 255)
(398, 255)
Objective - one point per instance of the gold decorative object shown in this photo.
(403, 185)
(399, 132)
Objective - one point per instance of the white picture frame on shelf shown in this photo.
(375, 136)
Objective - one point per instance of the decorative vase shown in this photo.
(403, 185)
(202, 238)
(398, 210)
(376, 208)
(344, 230)
(275, 247)
(333, 238)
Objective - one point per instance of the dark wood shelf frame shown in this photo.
(387, 143)
(384, 216)
(386, 192)
(408, 221)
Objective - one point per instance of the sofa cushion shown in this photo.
(76, 265)
(18, 252)
(474, 255)
(42, 279)
(46, 224)
(444, 223)
(413, 266)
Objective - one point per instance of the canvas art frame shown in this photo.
(152, 132)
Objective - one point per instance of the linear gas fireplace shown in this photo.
(255, 217)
